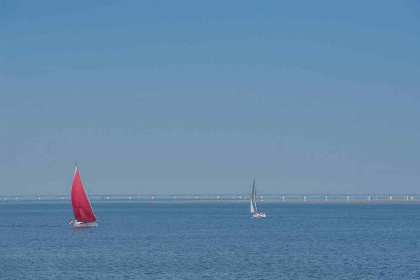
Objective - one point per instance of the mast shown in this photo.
(255, 197)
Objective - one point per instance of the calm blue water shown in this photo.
(212, 241)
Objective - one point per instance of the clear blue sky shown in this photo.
(204, 96)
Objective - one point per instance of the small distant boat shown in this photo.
(83, 212)
(253, 204)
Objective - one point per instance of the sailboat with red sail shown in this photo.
(83, 212)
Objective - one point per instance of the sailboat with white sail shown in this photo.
(253, 204)
(83, 212)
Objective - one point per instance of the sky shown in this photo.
(203, 97)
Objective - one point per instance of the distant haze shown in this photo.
(167, 97)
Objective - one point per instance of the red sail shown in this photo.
(81, 206)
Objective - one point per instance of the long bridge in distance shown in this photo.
(233, 198)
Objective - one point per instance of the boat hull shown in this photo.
(78, 224)
(259, 215)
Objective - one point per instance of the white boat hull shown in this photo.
(78, 224)
(259, 215)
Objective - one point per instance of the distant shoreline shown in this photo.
(19, 202)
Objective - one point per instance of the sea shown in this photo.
(211, 241)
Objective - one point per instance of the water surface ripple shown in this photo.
(212, 241)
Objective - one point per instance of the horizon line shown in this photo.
(227, 194)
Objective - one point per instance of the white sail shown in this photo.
(253, 201)
(252, 207)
